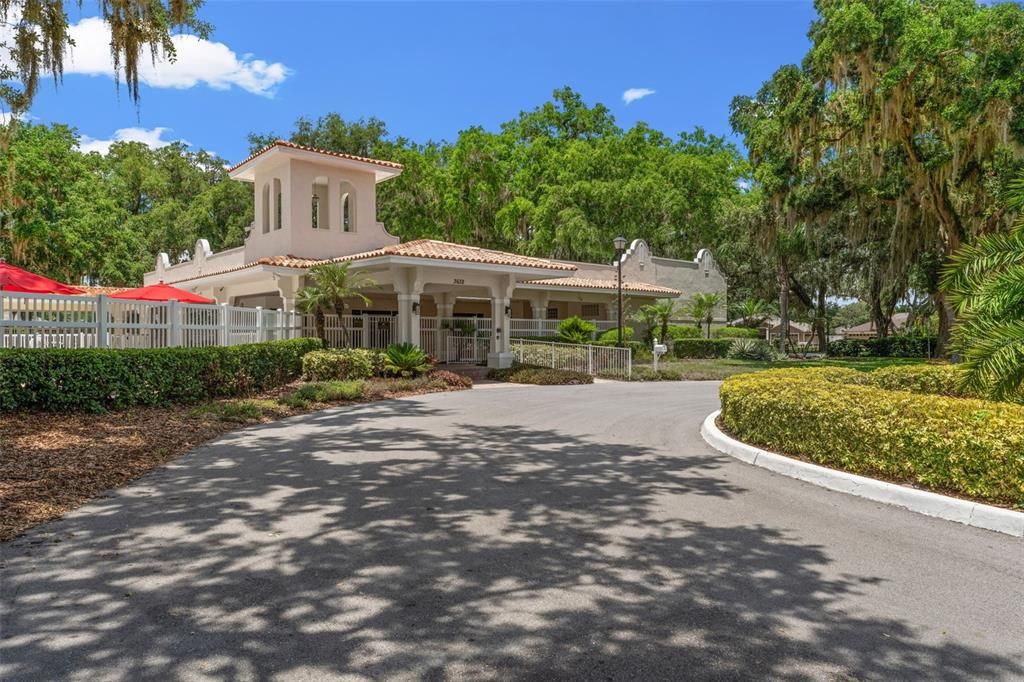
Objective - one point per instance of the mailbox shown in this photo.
(659, 349)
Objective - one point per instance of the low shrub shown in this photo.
(451, 379)
(899, 346)
(677, 332)
(737, 333)
(576, 330)
(752, 349)
(943, 379)
(964, 446)
(406, 360)
(701, 348)
(611, 337)
(342, 364)
(66, 379)
(541, 376)
(324, 392)
(238, 411)
(380, 389)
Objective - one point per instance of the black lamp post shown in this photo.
(620, 248)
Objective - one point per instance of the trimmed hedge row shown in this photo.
(738, 333)
(964, 446)
(540, 376)
(60, 379)
(701, 348)
(901, 346)
(342, 364)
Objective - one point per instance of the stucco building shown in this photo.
(315, 206)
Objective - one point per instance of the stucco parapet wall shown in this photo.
(238, 171)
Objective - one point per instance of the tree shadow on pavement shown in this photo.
(391, 541)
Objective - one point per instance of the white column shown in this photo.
(445, 304)
(408, 320)
(101, 321)
(501, 348)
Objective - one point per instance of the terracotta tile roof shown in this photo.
(584, 283)
(438, 250)
(300, 147)
(421, 248)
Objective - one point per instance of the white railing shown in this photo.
(53, 321)
(465, 350)
(434, 332)
(579, 358)
(533, 327)
(363, 331)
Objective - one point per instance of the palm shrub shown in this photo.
(333, 284)
(576, 330)
(985, 282)
(701, 308)
(406, 360)
(751, 349)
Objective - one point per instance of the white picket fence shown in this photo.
(534, 327)
(435, 332)
(587, 359)
(53, 321)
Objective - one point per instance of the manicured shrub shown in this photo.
(900, 346)
(680, 331)
(452, 379)
(737, 333)
(752, 349)
(943, 379)
(701, 348)
(611, 337)
(958, 445)
(66, 379)
(405, 360)
(576, 330)
(342, 364)
(380, 389)
(541, 376)
(324, 392)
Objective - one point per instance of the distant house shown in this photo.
(799, 332)
(868, 330)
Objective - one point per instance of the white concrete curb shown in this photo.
(920, 501)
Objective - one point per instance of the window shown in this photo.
(266, 208)
(278, 210)
(590, 311)
(348, 207)
(319, 216)
(552, 313)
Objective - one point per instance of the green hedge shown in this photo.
(737, 333)
(963, 446)
(342, 364)
(59, 379)
(701, 348)
(541, 376)
(679, 331)
(901, 346)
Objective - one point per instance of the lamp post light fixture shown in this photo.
(620, 248)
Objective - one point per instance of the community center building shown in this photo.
(315, 206)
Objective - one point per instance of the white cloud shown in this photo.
(197, 62)
(633, 94)
(151, 137)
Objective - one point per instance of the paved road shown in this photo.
(510, 533)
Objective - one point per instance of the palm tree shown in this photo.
(985, 283)
(333, 284)
(701, 308)
(660, 315)
(752, 311)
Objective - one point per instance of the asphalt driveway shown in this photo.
(506, 533)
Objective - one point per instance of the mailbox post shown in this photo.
(659, 350)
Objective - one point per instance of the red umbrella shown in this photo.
(161, 292)
(15, 279)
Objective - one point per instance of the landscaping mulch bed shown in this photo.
(53, 463)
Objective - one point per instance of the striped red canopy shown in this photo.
(13, 278)
(161, 292)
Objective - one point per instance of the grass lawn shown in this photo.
(717, 369)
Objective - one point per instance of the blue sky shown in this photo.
(431, 69)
